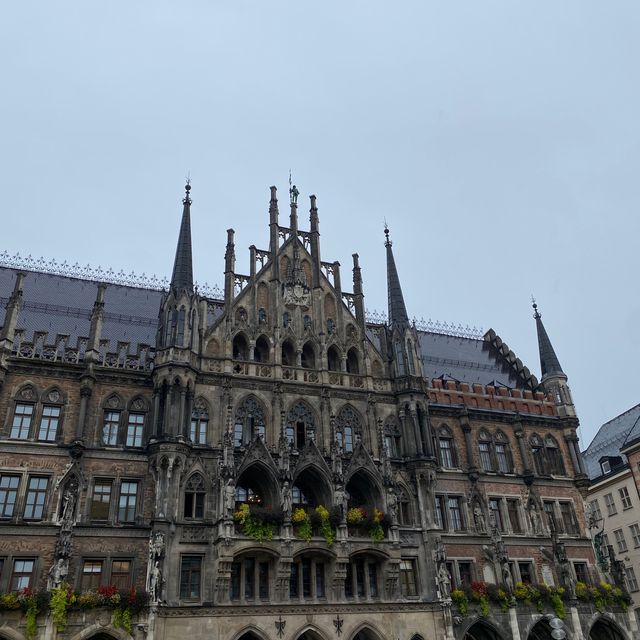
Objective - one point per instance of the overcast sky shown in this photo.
(500, 140)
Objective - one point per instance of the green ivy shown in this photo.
(59, 603)
(31, 623)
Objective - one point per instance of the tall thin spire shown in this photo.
(549, 363)
(182, 277)
(397, 309)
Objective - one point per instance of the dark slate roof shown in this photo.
(465, 360)
(610, 438)
(62, 305)
(397, 308)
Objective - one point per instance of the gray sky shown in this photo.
(501, 141)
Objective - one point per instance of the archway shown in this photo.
(312, 488)
(482, 630)
(541, 630)
(605, 629)
(363, 491)
(257, 486)
(261, 350)
(240, 348)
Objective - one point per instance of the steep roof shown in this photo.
(610, 438)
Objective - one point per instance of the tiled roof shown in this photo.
(609, 440)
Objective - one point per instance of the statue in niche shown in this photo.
(286, 502)
(58, 572)
(507, 578)
(155, 582)
(156, 546)
(69, 499)
(392, 505)
(444, 582)
(229, 499)
(534, 518)
(478, 519)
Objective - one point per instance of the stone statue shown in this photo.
(478, 519)
(68, 506)
(229, 499)
(568, 581)
(507, 578)
(444, 582)
(392, 505)
(286, 502)
(294, 193)
(439, 551)
(58, 572)
(534, 517)
(341, 500)
(598, 545)
(156, 546)
(155, 582)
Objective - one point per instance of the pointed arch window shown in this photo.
(199, 422)
(180, 330)
(484, 446)
(392, 439)
(503, 453)
(348, 425)
(262, 315)
(300, 425)
(249, 423)
(400, 358)
(555, 463)
(537, 453)
(404, 508)
(412, 362)
(446, 448)
(194, 497)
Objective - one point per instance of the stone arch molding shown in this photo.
(256, 631)
(609, 619)
(6, 633)
(367, 627)
(98, 629)
(309, 627)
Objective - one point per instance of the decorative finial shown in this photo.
(187, 189)
(387, 242)
(536, 313)
(294, 193)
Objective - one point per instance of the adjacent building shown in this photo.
(268, 462)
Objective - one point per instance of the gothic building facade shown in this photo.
(268, 463)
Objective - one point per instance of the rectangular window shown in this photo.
(360, 590)
(306, 578)
(21, 421)
(551, 515)
(408, 578)
(605, 540)
(569, 519)
(620, 541)
(526, 572)
(635, 534)
(36, 496)
(135, 427)
(293, 580)
(320, 591)
(501, 457)
(8, 495)
(128, 500)
(348, 582)
(249, 573)
(485, 456)
(625, 497)
(632, 581)
(440, 512)
(373, 579)
(610, 504)
(49, 424)
(595, 510)
(263, 580)
(455, 514)
(199, 431)
(91, 575)
(110, 428)
(22, 576)
(121, 574)
(446, 456)
(465, 573)
(190, 571)
(235, 580)
(513, 512)
(580, 568)
(494, 513)
(101, 499)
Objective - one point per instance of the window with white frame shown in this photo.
(625, 498)
(635, 534)
(620, 541)
(632, 581)
(594, 506)
(610, 503)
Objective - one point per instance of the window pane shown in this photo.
(135, 427)
(110, 428)
(320, 592)
(22, 421)
(36, 494)
(91, 575)
(502, 458)
(446, 456)
(121, 574)
(408, 578)
(8, 495)
(485, 456)
(101, 500)
(22, 576)
(455, 515)
(127, 503)
(49, 424)
(190, 577)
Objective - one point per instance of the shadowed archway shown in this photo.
(605, 629)
(482, 630)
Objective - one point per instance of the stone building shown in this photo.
(269, 463)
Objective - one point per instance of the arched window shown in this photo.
(333, 358)
(194, 497)
(331, 326)
(249, 422)
(537, 453)
(353, 361)
(240, 348)
(286, 318)
(307, 323)
(261, 350)
(404, 508)
(262, 315)
(308, 580)
(288, 354)
(485, 445)
(446, 448)
(300, 425)
(298, 499)
(251, 577)
(555, 463)
(401, 366)
(392, 438)
(349, 425)
(308, 356)
(503, 453)
(199, 422)
(412, 362)
(180, 331)
(363, 578)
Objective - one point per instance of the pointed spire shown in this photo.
(549, 363)
(182, 277)
(397, 309)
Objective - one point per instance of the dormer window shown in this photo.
(605, 465)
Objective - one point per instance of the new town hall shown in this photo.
(269, 464)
